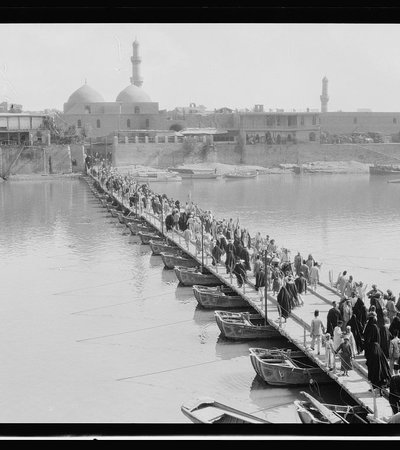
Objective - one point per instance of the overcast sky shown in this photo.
(236, 65)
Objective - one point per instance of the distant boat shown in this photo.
(218, 297)
(195, 173)
(239, 174)
(384, 169)
(189, 277)
(279, 367)
(153, 176)
(213, 412)
(394, 181)
(171, 261)
(243, 325)
(313, 411)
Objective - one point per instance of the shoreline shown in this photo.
(42, 177)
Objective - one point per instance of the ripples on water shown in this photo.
(94, 328)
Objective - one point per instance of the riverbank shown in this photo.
(352, 167)
(42, 177)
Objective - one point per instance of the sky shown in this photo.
(236, 65)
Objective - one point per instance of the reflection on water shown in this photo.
(85, 305)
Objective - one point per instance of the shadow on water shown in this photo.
(203, 316)
(156, 261)
(168, 276)
(228, 348)
(185, 294)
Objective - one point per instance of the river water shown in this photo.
(95, 330)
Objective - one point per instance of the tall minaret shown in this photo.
(324, 96)
(136, 79)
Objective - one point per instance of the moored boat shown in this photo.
(243, 325)
(210, 411)
(159, 247)
(113, 212)
(218, 297)
(138, 227)
(237, 175)
(186, 173)
(146, 237)
(313, 411)
(189, 277)
(171, 261)
(394, 181)
(152, 176)
(384, 169)
(286, 367)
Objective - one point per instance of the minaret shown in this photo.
(324, 96)
(136, 79)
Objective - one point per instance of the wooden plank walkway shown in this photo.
(297, 327)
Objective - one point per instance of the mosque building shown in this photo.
(133, 108)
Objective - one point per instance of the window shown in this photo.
(394, 120)
(312, 136)
(79, 123)
(270, 121)
(302, 120)
(137, 110)
(314, 119)
(278, 122)
(147, 123)
(87, 109)
(128, 123)
(355, 120)
(98, 123)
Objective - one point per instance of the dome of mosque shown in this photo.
(133, 94)
(85, 94)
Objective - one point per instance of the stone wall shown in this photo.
(77, 157)
(55, 159)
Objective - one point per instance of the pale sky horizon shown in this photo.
(236, 65)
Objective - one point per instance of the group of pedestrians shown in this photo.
(351, 326)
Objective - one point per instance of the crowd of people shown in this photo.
(351, 328)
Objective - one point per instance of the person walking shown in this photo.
(317, 328)
(330, 353)
(333, 318)
(314, 276)
(346, 355)
(337, 335)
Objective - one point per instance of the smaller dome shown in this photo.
(133, 94)
(85, 94)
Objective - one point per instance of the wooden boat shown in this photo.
(394, 181)
(152, 176)
(189, 277)
(146, 237)
(171, 261)
(313, 411)
(138, 227)
(210, 411)
(237, 175)
(218, 297)
(286, 368)
(113, 212)
(129, 219)
(384, 169)
(186, 173)
(159, 247)
(243, 325)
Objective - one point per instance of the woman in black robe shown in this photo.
(395, 325)
(284, 302)
(384, 336)
(216, 253)
(360, 311)
(244, 254)
(356, 329)
(371, 335)
(378, 367)
(292, 291)
(240, 272)
(230, 258)
(332, 319)
(394, 393)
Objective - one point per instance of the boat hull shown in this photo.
(157, 248)
(242, 326)
(190, 278)
(138, 227)
(146, 237)
(275, 370)
(171, 261)
(384, 170)
(212, 412)
(214, 299)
